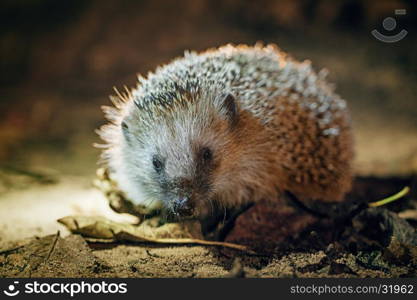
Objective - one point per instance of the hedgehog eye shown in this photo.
(207, 154)
(157, 164)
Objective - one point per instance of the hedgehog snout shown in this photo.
(183, 206)
(183, 202)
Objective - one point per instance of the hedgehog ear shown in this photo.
(229, 108)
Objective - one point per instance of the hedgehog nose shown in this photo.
(183, 204)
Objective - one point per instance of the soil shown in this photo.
(289, 242)
(73, 257)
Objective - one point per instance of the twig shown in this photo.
(130, 237)
(53, 246)
(7, 251)
(152, 254)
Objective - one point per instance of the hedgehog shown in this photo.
(227, 127)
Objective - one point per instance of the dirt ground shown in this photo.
(73, 257)
(288, 242)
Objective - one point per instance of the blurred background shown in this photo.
(60, 60)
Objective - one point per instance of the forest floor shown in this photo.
(288, 241)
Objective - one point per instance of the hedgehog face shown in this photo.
(171, 164)
(182, 175)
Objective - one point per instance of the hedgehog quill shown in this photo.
(228, 127)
